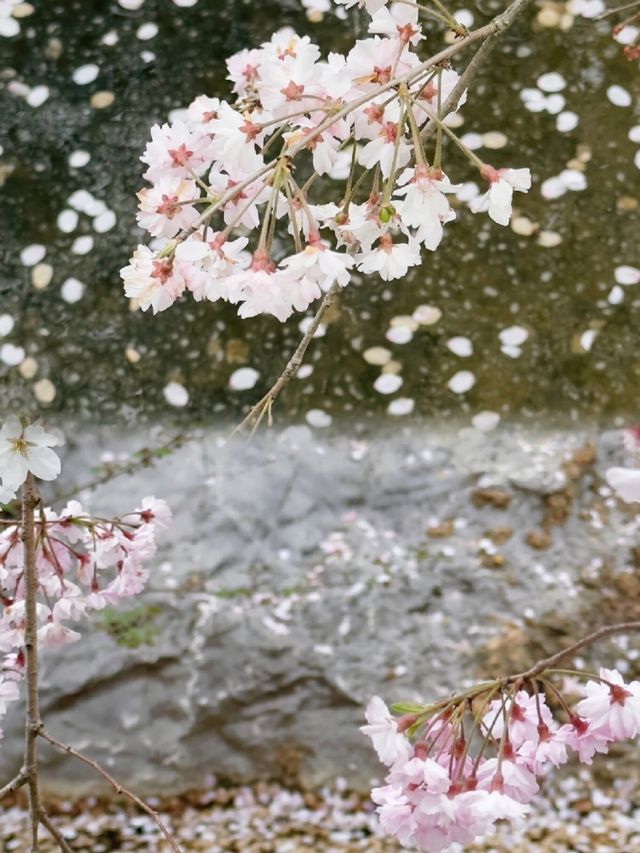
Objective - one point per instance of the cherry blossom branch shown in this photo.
(30, 500)
(502, 23)
(48, 824)
(438, 58)
(550, 662)
(264, 405)
(495, 27)
(617, 9)
(119, 789)
(14, 785)
(531, 674)
(147, 457)
(492, 32)
(451, 103)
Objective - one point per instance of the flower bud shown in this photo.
(387, 212)
(406, 721)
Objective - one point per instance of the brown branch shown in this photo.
(146, 459)
(48, 824)
(499, 25)
(551, 662)
(617, 9)
(119, 789)
(30, 500)
(257, 412)
(14, 785)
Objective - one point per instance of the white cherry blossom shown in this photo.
(163, 211)
(372, 6)
(497, 200)
(176, 150)
(321, 265)
(400, 21)
(390, 260)
(26, 449)
(388, 742)
(154, 282)
(425, 204)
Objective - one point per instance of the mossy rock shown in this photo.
(131, 628)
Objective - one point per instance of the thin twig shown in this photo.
(501, 25)
(30, 501)
(14, 785)
(119, 789)
(600, 634)
(292, 365)
(146, 459)
(617, 9)
(48, 824)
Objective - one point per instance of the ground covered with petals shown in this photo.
(574, 815)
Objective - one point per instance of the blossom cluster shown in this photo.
(230, 207)
(82, 563)
(476, 759)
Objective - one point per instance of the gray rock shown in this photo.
(299, 580)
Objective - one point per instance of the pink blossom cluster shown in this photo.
(476, 760)
(227, 215)
(83, 564)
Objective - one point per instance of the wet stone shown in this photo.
(538, 539)
(441, 531)
(496, 498)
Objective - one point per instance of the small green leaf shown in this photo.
(407, 708)
(161, 452)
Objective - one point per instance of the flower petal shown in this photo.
(44, 463)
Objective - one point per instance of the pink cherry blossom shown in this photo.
(631, 439)
(320, 265)
(202, 111)
(243, 70)
(153, 282)
(437, 91)
(390, 744)
(511, 777)
(163, 212)
(398, 21)
(372, 61)
(236, 140)
(611, 705)
(585, 739)
(9, 692)
(54, 634)
(230, 168)
(177, 151)
(207, 266)
(384, 150)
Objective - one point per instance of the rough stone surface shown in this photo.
(299, 579)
